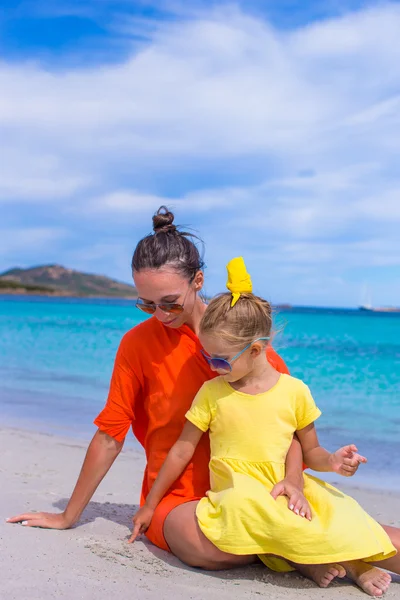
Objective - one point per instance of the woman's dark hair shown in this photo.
(168, 245)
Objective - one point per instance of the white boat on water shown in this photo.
(380, 309)
(368, 307)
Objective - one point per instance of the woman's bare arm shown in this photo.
(292, 485)
(101, 453)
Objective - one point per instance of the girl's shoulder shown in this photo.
(213, 389)
(213, 385)
(299, 397)
(293, 384)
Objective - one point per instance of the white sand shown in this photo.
(93, 560)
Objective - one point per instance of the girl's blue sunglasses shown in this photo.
(221, 364)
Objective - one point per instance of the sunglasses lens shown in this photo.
(217, 363)
(174, 309)
(146, 308)
(220, 364)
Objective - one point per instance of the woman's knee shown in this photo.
(186, 541)
(394, 534)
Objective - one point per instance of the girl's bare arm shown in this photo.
(344, 461)
(178, 458)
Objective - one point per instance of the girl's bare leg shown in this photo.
(322, 575)
(373, 581)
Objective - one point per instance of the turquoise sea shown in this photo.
(56, 358)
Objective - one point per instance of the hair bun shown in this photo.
(163, 221)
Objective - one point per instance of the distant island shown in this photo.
(55, 280)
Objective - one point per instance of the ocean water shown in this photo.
(56, 358)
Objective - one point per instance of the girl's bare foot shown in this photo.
(323, 575)
(370, 579)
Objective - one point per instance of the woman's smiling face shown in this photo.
(167, 286)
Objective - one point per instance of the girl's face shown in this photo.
(166, 286)
(216, 347)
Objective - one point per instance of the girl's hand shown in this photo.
(141, 522)
(297, 501)
(42, 519)
(346, 460)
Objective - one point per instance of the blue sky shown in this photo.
(270, 129)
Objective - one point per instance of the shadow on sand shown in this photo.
(121, 514)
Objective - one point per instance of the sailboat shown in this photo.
(368, 307)
(380, 309)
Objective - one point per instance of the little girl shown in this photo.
(252, 412)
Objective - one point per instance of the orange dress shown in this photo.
(157, 373)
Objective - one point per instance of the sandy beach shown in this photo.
(93, 560)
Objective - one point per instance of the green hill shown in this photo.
(59, 281)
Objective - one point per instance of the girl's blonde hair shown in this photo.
(249, 319)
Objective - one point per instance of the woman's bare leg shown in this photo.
(186, 541)
(392, 564)
(376, 582)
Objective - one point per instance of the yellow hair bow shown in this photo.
(239, 281)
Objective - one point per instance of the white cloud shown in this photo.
(306, 120)
(201, 89)
(15, 240)
(126, 202)
(130, 202)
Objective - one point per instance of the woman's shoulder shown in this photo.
(275, 360)
(143, 329)
(152, 337)
(143, 333)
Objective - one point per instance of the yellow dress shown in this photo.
(250, 436)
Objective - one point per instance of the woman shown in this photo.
(158, 371)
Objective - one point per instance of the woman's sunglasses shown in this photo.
(221, 364)
(172, 308)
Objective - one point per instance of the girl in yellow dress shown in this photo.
(252, 412)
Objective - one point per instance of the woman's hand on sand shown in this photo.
(141, 522)
(297, 501)
(42, 519)
(346, 460)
